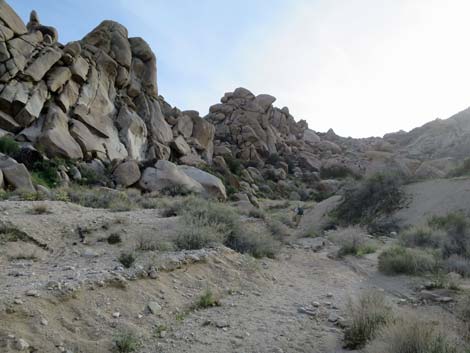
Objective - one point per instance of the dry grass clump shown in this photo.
(411, 335)
(367, 316)
(39, 209)
(151, 242)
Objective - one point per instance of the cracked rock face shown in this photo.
(92, 98)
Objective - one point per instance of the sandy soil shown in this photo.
(74, 296)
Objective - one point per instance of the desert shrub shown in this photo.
(336, 172)
(206, 300)
(463, 312)
(194, 236)
(257, 244)
(458, 264)
(462, 170)
(367, 315)
(234, 164)
(151, 242)
(9, 146)
(126, 343)
(277, 229)
(411, 335)
(114, 239)
(40, 209)
(376, 196)
(273, 159)
(384, 225)
(457, 227)
(204, 223)
(127, 259)
(422, 237)
(100, 198)
(356, 247)
(45, 172)
(256, 213)
(400, 260)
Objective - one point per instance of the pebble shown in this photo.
(18, 301)
(316, 304)
(116, 314)
(44, 322)
(333, 318)
(329, 295)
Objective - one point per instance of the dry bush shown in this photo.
(256, 243)
(151, 242)
(367, 316)
(422, 237)
(370, 199)
(101, 198)
(458, 264)
(39, 209)
(204, 223)
(400, 260)
(411, 335)
(352, 241)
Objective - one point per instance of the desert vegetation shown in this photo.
(442, 244)
(371, 199)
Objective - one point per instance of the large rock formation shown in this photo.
(93, 98)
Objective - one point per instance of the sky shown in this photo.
(362, 67)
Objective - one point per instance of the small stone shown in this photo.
(32, 293)
(116, 314)
(154, 307)
(333, 318)
(316, 304)
(44, 322)
(329, 295)
(21, 345)
(18, 301)
(153, 274)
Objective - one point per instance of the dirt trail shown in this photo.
(273, 318)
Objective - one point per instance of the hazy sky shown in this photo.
(361, 67)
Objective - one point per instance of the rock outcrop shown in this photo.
(93, 98)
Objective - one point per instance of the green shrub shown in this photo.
(400, 260)
(46, 172)
(376, 196)
(410, 335)
(206, 300)
(126, 343)
(127, 259)
(9, 146)
(367, 315)
(234, 164)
